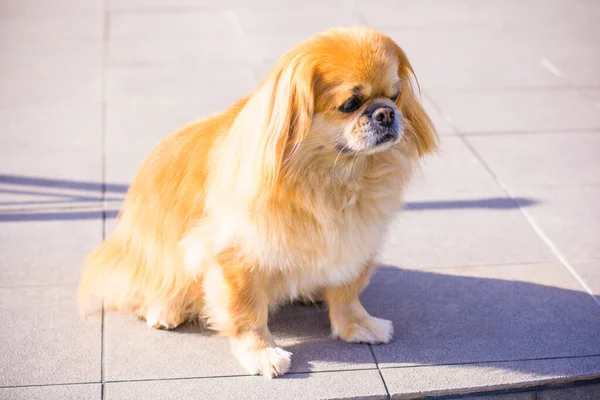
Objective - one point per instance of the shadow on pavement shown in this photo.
(65, 193)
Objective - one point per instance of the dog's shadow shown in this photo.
(442, 319)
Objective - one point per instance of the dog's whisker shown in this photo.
(337, 158)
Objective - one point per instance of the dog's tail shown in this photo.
(108, 277)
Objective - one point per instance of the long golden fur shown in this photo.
(281, 196)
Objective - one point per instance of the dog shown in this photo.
(285, 195)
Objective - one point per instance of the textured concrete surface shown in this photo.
(488, 274)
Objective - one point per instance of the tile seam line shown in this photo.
(331, 371)
(467, 363)
(105, 205)
(536, 228)
(387, 392)
(534, 225)
(289, 373)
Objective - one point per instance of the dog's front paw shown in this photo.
(269, 362)
(158, 318)
(366, 330)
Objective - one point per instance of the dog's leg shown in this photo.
(237, 306)
(349, 320)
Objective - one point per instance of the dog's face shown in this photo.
(355, 105)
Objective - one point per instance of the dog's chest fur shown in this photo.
(329, 243)
(312, 237)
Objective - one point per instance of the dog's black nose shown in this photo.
(384, 116)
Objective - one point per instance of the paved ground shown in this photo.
(489, 275)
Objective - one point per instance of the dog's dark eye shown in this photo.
(395, 97)
(350, 105)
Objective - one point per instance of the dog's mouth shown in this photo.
(378, 141)
(385, 138)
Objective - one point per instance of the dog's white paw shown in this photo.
(269, 362)
(155, 319)
(367, 330)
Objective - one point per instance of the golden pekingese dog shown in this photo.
(285, 195)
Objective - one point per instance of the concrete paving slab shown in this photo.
(589, 271)
(45, 341)
(448, 233)
(568, 216)
(586, 392)
(425, 13)
(135, 351)
(517, 111)
(55, 25)
(39, 87)
(525, 162)
(483, 314)
(47, 252)
(172, 86)
(326, 385)
(176, 51)
(56, 53)
(144, 25)
(454, 173)
(406, 383)
(298, 18)
(59, 392)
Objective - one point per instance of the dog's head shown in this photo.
(346, 92)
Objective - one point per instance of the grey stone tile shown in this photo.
(36, 86)
(507, 396)
(525, 162)
(569, 217)
(406, 383)
(62, 392)
(546, 12)
(589, 271)
(181, 5)
(295, 18)
(264, 48)
(45, 252)
(43, 152)
(134, 351)
(58, 168)
(391, 13)
(68, 128)
(506, 111)
(435, 233)
(483, 314)
(469, 44)
(172, 86)
(584, 392)
(545, 39)
(176, 51)
(175, 24)
(593, 95)
(581, 71)
(442, 126)
(51, 26)
(46, 341)
(132, 132)
(160, 5)
(454, 173)
(328, 385)
(27, 7)
(484, 73)
(53, 53)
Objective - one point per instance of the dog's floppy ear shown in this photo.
(275, 118)
(418, 125)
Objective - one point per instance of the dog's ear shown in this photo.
(275, 119)
(418, 125)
